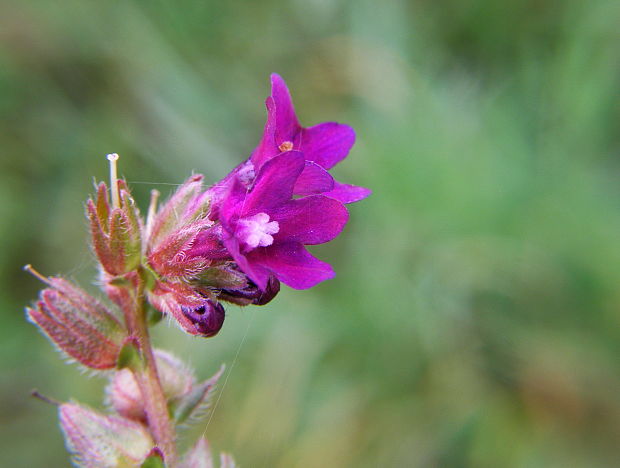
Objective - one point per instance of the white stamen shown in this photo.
(113, 157)
(36, 274)
(255, 231)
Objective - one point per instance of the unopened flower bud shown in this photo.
(252, 294)
(98, 440)
(207, 319)
(227, 461)
(123, 393)
(200, 456)
(188, 206)
(175, 264)
(78, 324)
(115, 231)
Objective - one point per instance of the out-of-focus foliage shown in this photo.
(475, 319)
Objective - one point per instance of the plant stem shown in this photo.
(155, 403)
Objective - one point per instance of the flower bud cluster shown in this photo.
(233, 242)
(237, 240)
(177, 380)
(121, 437)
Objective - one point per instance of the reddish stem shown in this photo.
(155, 403)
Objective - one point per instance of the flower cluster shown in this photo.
(240, 238)
(234, 242)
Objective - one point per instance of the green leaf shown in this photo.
(153, 461)
(130, 356)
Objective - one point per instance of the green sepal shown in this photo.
(119, 239)
(167, 217)
(153, 461)
(195, 399)
(120, 281)
(130, 356)
(103, 206)
(148, 276)
(153, 316)
(133, 247)
(221, 277)
(100, 239)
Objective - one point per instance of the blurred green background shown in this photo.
(475, 318)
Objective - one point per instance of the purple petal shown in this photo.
(292, 264)
(233, 201)
(274, 183)
(267, 148)
(287, 125)
(281, 126)
(310, 220)
(327, 143)
(229, 213)
(346, 193)
(313, 180)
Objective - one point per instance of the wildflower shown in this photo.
(234, 242)
(192, 268)
(323, 146)
(265, 230)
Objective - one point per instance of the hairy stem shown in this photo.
(155, 404)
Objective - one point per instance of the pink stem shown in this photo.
(155, 403)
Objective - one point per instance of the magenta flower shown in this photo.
(265, 229)
(323, 145)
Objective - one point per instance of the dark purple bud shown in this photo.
(208, 318)
(252, 294)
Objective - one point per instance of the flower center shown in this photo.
(286, 146)
(256, 231)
